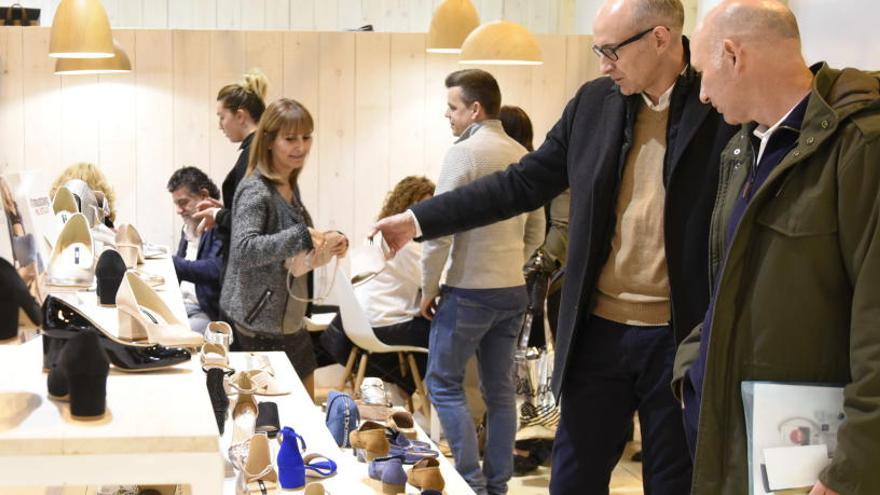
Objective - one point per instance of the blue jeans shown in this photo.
(486, 322)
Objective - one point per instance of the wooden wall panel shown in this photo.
(154, 124)
(378, 101)
(335, 133)
(117, 135)
(12, 116)
(373, 111)
(407, 87)
(42, 99)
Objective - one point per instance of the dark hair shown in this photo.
(477, 85)
(409, 191)
(247, 95)
(517, 125)
(194, 179)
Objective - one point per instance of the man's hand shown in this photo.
(397, 230)
(428, 307)
(820, 489)
(208, 203)
(204, 219)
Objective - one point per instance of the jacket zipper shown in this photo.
(256, 310)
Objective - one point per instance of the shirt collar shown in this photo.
(663, 101)
(792, 120)
(473, 128)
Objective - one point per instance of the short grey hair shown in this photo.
(669, 13)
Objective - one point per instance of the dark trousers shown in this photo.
(615, 370)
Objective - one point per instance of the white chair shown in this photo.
(358, 329)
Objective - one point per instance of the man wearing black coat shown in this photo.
(640, 153)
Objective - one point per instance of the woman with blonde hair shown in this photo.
(271, 227)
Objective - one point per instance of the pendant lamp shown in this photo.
(501, 43)
(117, 64)
(81, 29)
(453, 20)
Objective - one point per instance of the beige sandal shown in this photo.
(258, 475)
(370, 438)
(425, 475)
(214, 356)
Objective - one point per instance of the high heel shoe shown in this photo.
(15, 297)
(291, 468)
(219, 332)
(64, 202)
(62, 322)
(143, 315)
(73, 257)
(219, 399)
(258, 476)
(130, 245)
(109, 272)
(244, 419)
(80, 374)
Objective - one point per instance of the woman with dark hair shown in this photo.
(391, 298)
(271, 232)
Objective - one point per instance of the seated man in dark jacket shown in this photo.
(198, 262)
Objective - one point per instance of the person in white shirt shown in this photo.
(391, 298)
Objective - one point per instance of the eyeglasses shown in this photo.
(610, 51)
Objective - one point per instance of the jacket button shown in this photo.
(810, 140)
(824, 124)
(736, 151)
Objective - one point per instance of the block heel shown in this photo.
(88, 395)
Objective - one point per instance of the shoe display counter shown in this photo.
(158, 428)
(297, 411)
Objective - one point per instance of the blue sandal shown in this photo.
(319, 466)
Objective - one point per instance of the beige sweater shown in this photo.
(489, 257)
(633, 287)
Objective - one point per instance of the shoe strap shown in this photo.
(324, 469)
(290, 433)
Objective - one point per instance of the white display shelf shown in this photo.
(159, 427)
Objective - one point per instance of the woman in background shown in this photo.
(271, 227)
(391, 298)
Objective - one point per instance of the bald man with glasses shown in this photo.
(640, 153)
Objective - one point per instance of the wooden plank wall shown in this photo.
(378, 100)
(540, 16)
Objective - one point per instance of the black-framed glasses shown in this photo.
(610, 51)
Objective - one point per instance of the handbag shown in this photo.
(16, 15)
(537, 411)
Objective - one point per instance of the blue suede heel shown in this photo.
(291, 468)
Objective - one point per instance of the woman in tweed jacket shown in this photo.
(269, 226)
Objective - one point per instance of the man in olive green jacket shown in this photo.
(794, 247)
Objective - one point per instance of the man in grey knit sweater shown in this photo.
(484, 298)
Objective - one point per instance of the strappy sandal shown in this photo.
(264, 382)
(258, 475)
(214, 356)
(319, 466)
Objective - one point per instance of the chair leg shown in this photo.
(362, 370)
(420, 385)
(349, 369)
(400, 361)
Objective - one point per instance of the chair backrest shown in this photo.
(354, 320)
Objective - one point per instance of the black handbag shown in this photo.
(16, 15)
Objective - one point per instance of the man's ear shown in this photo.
(477, 110)
(732, 51)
